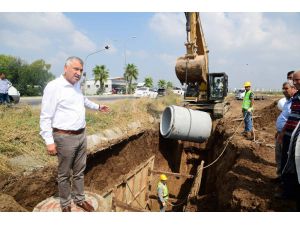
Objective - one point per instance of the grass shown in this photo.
(19, 133)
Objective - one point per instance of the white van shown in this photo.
(14, 95)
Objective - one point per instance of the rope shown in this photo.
(227, 142)
(181, 203)
(229, 139)
(254, 137)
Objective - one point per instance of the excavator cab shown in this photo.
(218, 86)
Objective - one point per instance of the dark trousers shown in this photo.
(291, 186)
(4, 98)
(71, 153)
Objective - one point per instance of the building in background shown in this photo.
(115, 85)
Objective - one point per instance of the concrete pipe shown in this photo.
(185, 124)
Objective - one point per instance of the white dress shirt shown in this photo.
(4, 86)
(63, 107)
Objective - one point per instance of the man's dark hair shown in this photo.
(290, 72)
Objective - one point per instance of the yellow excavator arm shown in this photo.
(193, 66)
(205, 91)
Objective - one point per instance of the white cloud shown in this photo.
(39, 31)
(168, 26)
(28, 40)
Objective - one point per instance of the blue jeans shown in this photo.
(248, 120)
(4, 98)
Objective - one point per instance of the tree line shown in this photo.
(101, 74)
(31, 79)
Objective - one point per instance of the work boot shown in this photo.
(66, 209)
(244, 133)
(250, 135)
(86, 206)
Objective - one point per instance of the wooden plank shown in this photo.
(128, 207)
(138, 181)
(196, 185)
(197, 182)
(172, 174)
(241, 118)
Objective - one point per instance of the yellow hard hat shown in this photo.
(163, 177)
(247, 84)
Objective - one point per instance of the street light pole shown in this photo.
(125, 62)
(105, 48)
(84, 74)
(125, 50)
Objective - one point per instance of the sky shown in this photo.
(257, 47)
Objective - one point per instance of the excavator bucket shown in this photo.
(190, 70)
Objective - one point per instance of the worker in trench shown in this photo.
(247, 109)
(162, 193)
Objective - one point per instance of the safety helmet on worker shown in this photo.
(163, 177)
(247, 84)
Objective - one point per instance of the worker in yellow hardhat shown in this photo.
(162, 192)
(247, 109)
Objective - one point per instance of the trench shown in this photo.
(106, 167)
(239, 181)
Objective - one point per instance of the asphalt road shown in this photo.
(35, 101)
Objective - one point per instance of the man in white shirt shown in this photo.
(4, 86)
(62, 123)
(288, 89)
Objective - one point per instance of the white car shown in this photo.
(153, 93)
(239, 94)
(14, 95)
(178, 91)
(142, 92)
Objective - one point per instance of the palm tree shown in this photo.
(101, 74)
(131, 73)
(148, 81)
(169, 85)
(161, 84)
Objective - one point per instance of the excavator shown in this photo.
(205, 91)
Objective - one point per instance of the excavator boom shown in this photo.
(206, 90)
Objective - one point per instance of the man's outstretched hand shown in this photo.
(103, 108)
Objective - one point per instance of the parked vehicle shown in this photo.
(161, 92)
(177, 90)
(239, 94)
(142, 92)
(153, 93)
(14, 95)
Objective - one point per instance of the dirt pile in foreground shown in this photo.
(241, 179)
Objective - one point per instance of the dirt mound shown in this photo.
(241, 179)
(266, 116)
(31, 189)
(9, 204)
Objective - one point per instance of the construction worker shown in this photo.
(162, 192)
(247, 109)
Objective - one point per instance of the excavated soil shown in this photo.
(239, 181)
